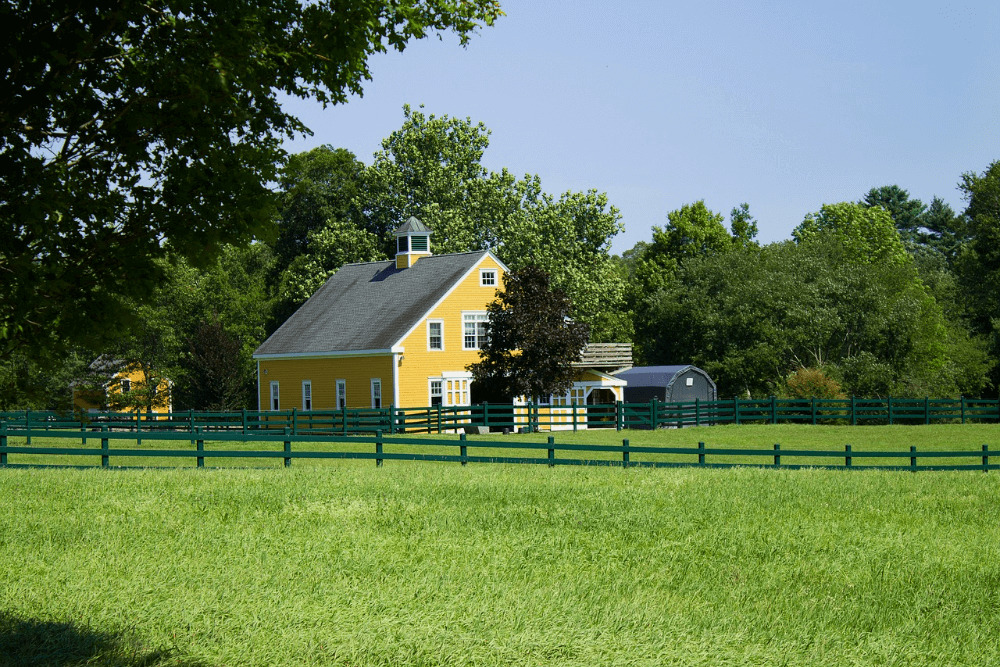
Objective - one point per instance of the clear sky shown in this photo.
(785, 105)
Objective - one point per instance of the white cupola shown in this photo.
(413, 241)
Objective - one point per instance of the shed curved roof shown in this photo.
(657, 376)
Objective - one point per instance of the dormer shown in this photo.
(413, 241)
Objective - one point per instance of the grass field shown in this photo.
(438, 564)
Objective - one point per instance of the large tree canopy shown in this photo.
(123, 126)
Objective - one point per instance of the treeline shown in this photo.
(883, 296)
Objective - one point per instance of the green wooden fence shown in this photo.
(193, 447)
(533, 417)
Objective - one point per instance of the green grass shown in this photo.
(438, 564)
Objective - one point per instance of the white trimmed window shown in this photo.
(435, 334)
(488, 277)
(307, 395)
(474, 330)
(126, 385)
(341, 393)
(436, 392)
(376, 392)
(275, 403)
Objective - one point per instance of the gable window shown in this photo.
(435, 335)
(275, 404)
(126, 385)
(474, 330)
(488, 277)
(341, 393)
(307, 395)
(436, 392)
(376, 393)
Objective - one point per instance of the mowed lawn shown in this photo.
(439, 564)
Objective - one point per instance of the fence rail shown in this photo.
(532, 416)
(381, 448)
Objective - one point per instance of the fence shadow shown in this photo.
(36, 643)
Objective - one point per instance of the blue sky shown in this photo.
(784, 105)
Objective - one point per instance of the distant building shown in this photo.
(670, 384)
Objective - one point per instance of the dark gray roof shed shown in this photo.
(667, 383)
(368, 307)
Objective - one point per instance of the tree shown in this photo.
(431, 168)
(979, 264)
(531, 340)
(124, 127)
(751, 317)
(316, 187)
(868, 235)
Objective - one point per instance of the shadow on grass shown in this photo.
(35, 643)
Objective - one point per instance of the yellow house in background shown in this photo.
(117, 380)
(399, 332)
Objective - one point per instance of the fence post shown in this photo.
(191, 421)
(847, 456)
(854, 413)
(378, 447)
(573, 404)
(652, 413)
(463, 449)
(243, 420)
(777, 456)
(27, 426)
(697, 412)
(295, 421)
(813, 408)
(736, 410)
(105, 456)
(963, 409)
(986, 458)
(486, 415)
(913, 458)
(288, 450)
(625, 453)
(439, 419)
(927, 409)
(552, 450)
(200, 446)
(138, 429)
(774, 410)
(701, 453)
(3, 445)
(343, 417)
(889, 408)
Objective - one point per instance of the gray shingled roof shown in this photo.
(368, 306)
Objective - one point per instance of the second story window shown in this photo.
(435, 335)
(488, 277)
(474, 330)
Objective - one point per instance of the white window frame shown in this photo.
(492, 275)
(126, 385)
(376, 383)
(474, 317)
(307, 394)
(275, 401)
(430, 390)
(430, 348)
(341, 394)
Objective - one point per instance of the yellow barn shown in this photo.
(116, 380)
(398, 332)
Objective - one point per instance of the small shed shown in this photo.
(670, 384)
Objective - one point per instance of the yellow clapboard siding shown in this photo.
(357, 372)
(419, 364)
